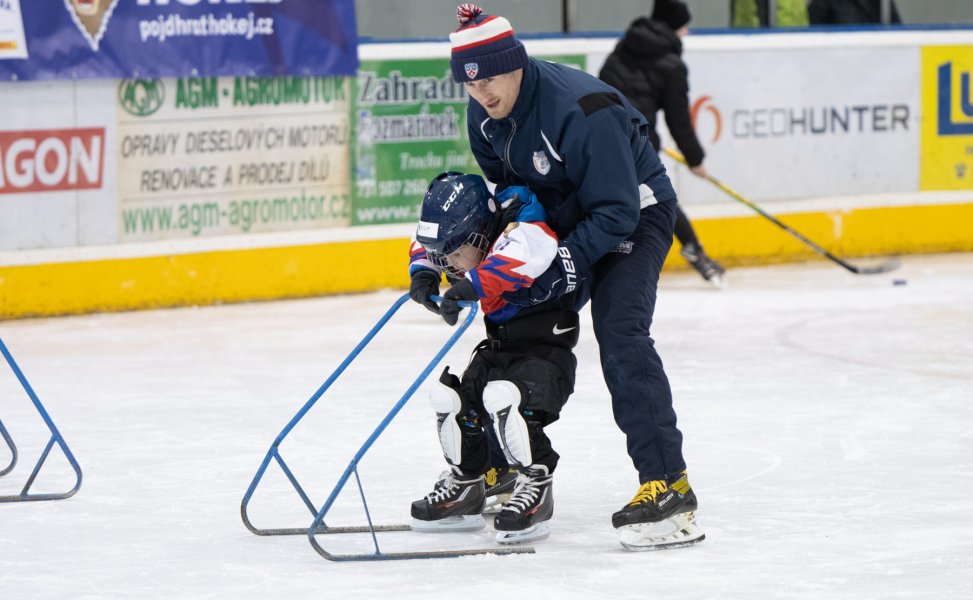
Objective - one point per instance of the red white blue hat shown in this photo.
(483, 46)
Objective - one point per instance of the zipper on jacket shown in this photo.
(506, 150)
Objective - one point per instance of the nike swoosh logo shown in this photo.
(558, 331)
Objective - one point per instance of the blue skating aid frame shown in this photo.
(13, 450)
(56, 438)
(318, 526)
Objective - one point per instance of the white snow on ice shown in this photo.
(828, 423)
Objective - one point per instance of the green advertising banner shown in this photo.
(409, 125)
(213, 156)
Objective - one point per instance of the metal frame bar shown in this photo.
(13, 450)
(569, 16)
(274, 452)
(885, 12)
(56, 438)
(318, 526)
(352, 468)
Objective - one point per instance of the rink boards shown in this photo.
(120, 195)
(236, 275)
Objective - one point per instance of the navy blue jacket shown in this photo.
(564, 139)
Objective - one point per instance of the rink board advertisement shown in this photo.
(410, 125)
(947, 131)
(78, 39)
(821, 131)
(13, 42)
(57, 165)
(231, 155)
(50, 160)
(213, 156)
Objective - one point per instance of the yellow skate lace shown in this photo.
(649, 491)
(491, 476)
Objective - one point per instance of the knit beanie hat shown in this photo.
(673, 13)
(483, 46)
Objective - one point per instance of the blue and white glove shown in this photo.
(564, 275)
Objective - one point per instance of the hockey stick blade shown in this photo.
(889, 265)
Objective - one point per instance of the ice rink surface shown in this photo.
(828, 423)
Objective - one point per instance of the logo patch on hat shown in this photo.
(472, 69)
(541, 163)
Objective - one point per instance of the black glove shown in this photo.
(449, 308)
(511, 200)
(562, 277)
(425, 283)
(449, 380)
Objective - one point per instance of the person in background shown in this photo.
(519, 377)
(584, 150)
(756, 13)
(850, 12)
(646, 65)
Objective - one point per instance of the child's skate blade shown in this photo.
(449, 524)
(535, 533)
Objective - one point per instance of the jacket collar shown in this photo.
(528, 90)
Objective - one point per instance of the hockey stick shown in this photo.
(885, 267)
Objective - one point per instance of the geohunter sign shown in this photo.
(87, 39)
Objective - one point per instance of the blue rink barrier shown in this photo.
(25, 494)
(318, 526)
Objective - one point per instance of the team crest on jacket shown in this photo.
(472, 69)
(541, 163)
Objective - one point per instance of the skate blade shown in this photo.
(675, 532)
(449, 524)
(534, 533)
(717, 281)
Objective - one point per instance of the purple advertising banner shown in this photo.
(117, 39)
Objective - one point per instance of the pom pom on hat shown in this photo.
(465, 12)
(673, 13)
(483, 46)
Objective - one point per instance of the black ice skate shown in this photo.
(708, 268)
(454, 504)
(659, 516)
(500, 483)
(524, 517)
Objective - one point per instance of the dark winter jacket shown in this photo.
(563, 139)
(647, 67)
(848, 12)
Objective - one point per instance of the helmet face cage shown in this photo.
(457, 215)
(467, 256)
